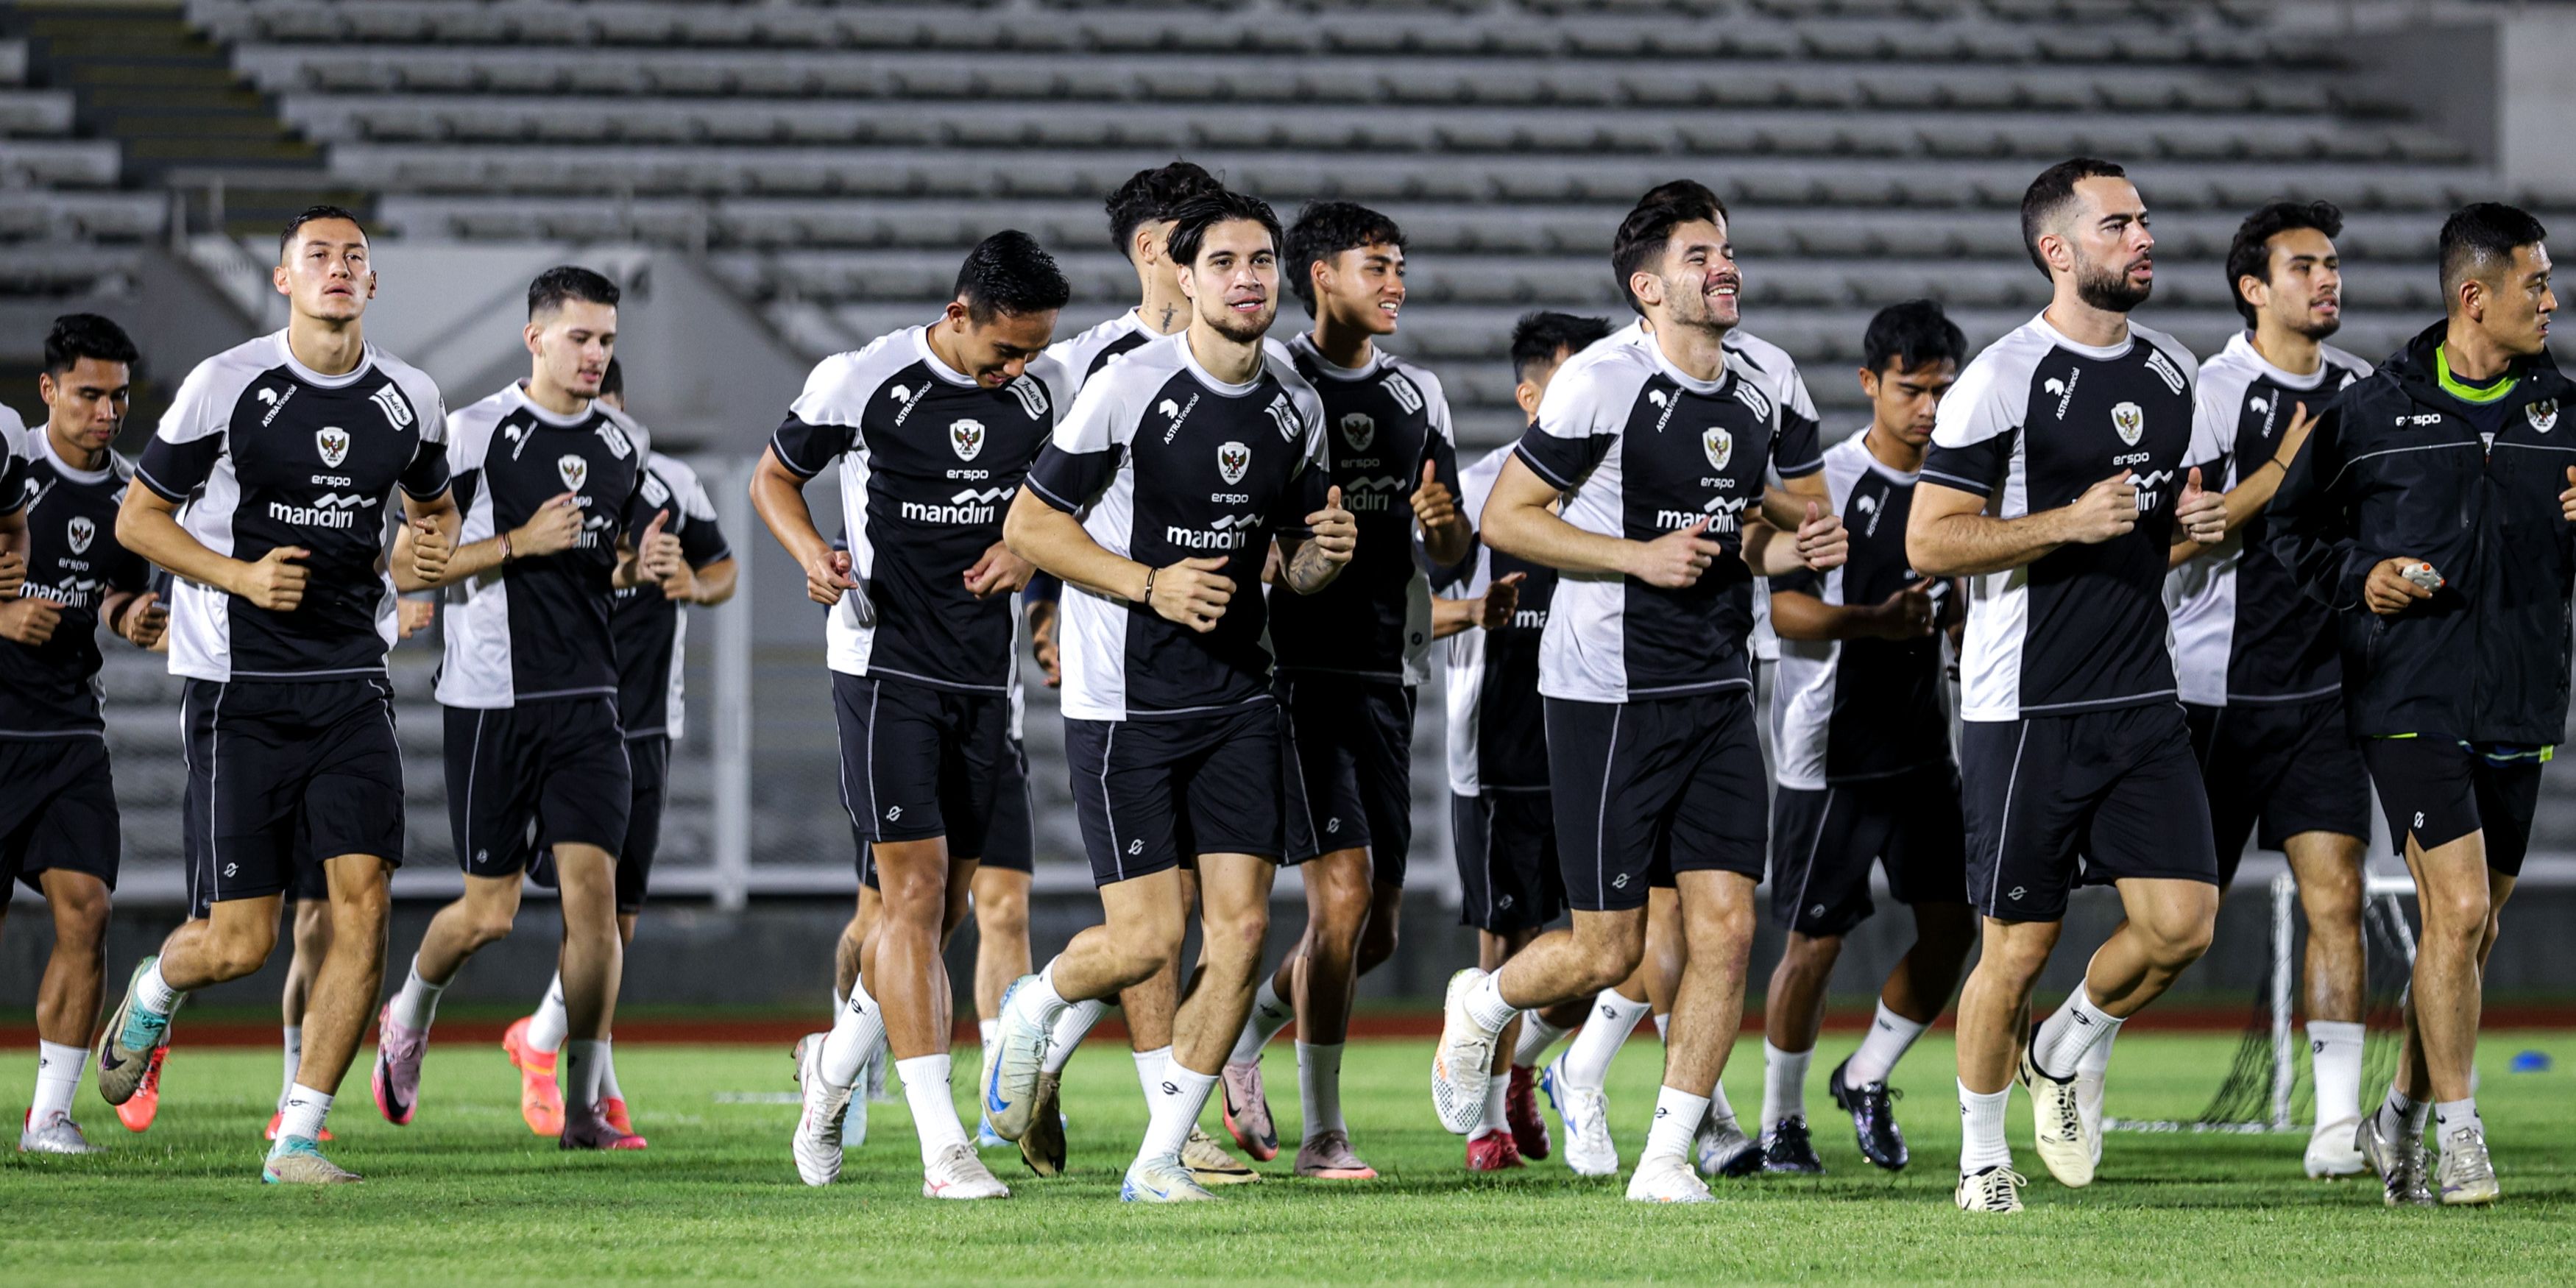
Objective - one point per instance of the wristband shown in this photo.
(1148, 599)
(504, 539)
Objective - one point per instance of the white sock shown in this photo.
(988, 1030)
(1498, 1093)
(608, 1088)
(1270, 1013)
(1537, 1035)
(2401, 1117)
(1890, 1036)
(305, 1111)
(58, 1075)
(1588, 1056)
(2059, 1046)
(1177, 1098)
(580, 1072)
(1664, 1027)
(417, 1003)
(1719, 1112)
(1486, 1007)
(294, 1034)
(1678, 1115)
(934, 1103)
(2451, 1115)
(1045, 1005)
(548, 1027)
(154, 993)
(856, 1032)
(2097, 1057)
(1784, 1084)
(1070, 1029)
(2334, 1059)
(1319, 1087)
(1149, 1070)
(1981, 1126)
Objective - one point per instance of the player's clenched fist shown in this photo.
(13, 572)
(827, 574)
(2107, 510)
(1337, 534)
(657, 554)
(2202, 514)
(29, 621)
(143, 621)
(1502, 599)
(2395, 585)
(1822, 541)
(1434, 505)
(2567, 499)
(553, 529)
(1193, 592)
(1676, 559)
(276, 582)
(430, 551)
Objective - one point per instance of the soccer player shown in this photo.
(264, 493)
(1653, 759)
(2430, 510)
(1501, 823)
(2256, 660)
(1349, 660)
(1861, 733)
(1156, 504)
(58, 819)
(934, 428)
(2055, 482)
(557, 519)
(651, 638)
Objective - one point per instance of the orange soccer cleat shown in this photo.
(274, 1119)
(540, 1097)
(138, 1110)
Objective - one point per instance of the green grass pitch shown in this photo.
(466, 1194)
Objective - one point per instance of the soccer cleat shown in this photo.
(1494, 1151)
(1585, 1111)
(817, 1141)
(1162, 1180)
(297, 1161)
(1996, 1189)
(613, 1108)
(1247, 1111)
(1788, 1147)
(1520, 1113)
(278, 1119)
(1209, 1164)
(1327, 1156)
(1873, 1116)
(1043, 1148)
(2399, 1162)
(2468, 1175)
(129, 1044)
(1667, 1178)
(2089, 1089)
(540, 1096)
(1010, 1086)
(396, 1079)
(958, 1174)
(144, 1105)
(2332, 1153)
(586, 1127)
(985, 1139)
(1461, 1064)
(1724, 1150)
(58, 1134)
(2057, 1126)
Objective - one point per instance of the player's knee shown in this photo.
(487, 927)
(80, 922)
(1377, 943)
(1236, 932)
(242, 951)
(2460, 913)
(1006, 918)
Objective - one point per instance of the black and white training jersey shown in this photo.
(1082, 356)
(1497, 725)
(1164, 462)
(537, 627)
(72, 559)
(652, 633)
(2034, 421)
(13, 462)
(1855, 709)
(1381, 422)
(1639, 450)
(2243, 632)
(263, 452)
(929, 462)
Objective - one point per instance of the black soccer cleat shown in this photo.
(1788, 1148)
(1873, 1118)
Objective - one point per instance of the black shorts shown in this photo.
(1156, 794)
(2439, 791)
(1824, 839)
(648, 768)
(2119, 788)
(284, 776)
(1349, 774)
(1653, 787)
(2275, 770)
(522, 780)
(57, 810)
(919, 762)
(1507, 867)
(1010, 843)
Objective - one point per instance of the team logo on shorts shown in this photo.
(81, 532)
(390, 401)
(2130, 420)
(967, 436)
(1719, 445)
(1359, 430)
(572, 469)
(1232, 459)
(333, 443)
(2543, 415)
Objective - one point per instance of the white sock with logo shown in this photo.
(1890, 1036)
(417, 1002)
(1498, 1108)
(1678, 1115)
(1981, 1126)
(2334, 1055)
(1605, 1030)
(294, 1035)
(933, 1100)
(304, 1114)
(1070, 1028)
(1537, 1035)
(990, 1031)
(154, 994)
(1149, 1070)
(1784, 1084)
(583, 1062)
(1270, 1013)
(548, 1026)
(856, 1033)
(1176, 1097)
(1319, 1087)
(58, 1075)
(2059, 1046)
(1486, 1007)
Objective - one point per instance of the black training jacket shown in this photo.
(2392, 470)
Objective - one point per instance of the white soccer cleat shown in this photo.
(1724, 1150)
(2398, 1160)
(1010, 1089)
(1996, 1189)
(1461, 1065)
(2088, 1101)
(959, 1174)
(1667, 1178)
(57, 1134)
(2057, 1127)
(1585, 1112)
(2468, 1175)
(2332, 1155)
(817, 1143)
(1161, 1180)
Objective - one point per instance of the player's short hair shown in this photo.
(565, 283)
(1541, 335)
(2250, 255)
(1912, 335)
(311, 214)
(612, 382)
(2481, 237)
(1192, 218)
(86, 335)
(2050, 194)
(1649, 228)
(1325, 229)
(1150, 195)
(1009, 272)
